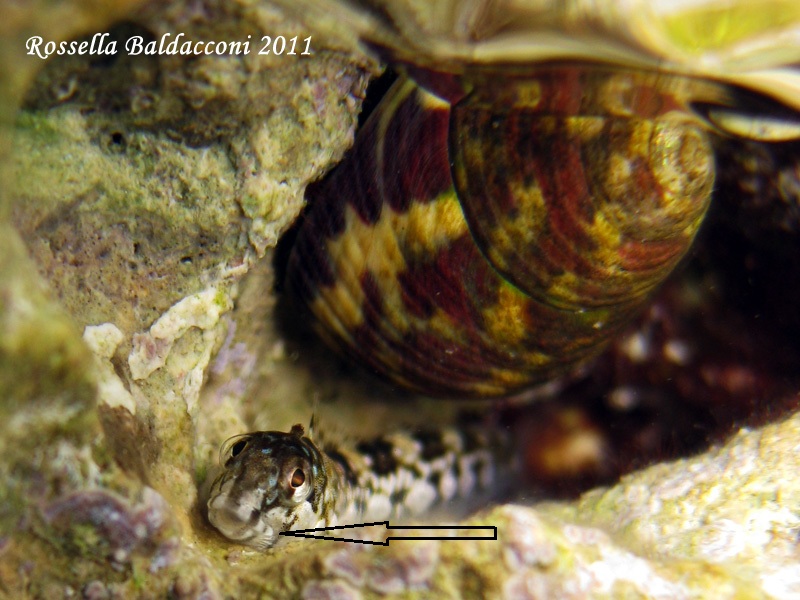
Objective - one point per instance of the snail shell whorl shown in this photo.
(479, 248)
(590, 208)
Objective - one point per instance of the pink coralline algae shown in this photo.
(385, 573)
(330, 590)
(120, 529)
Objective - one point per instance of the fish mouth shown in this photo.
(240, 523)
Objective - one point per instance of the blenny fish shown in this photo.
(275, 481)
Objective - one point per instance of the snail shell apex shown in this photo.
(597, 196)
(479, 247)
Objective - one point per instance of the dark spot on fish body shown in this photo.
(347, 468)
(472, 440)
(432, 444)
(380, 453)
(398, 496)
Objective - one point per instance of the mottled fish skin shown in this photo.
(275, 481)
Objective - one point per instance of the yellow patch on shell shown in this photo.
(615, 95)
(383, 249)
(618, 176)
(503, 380)
(641, 137)
(605, 231)
(528, 93)
(351, 257)
(524, 228)
(562, 291)
(585, 128)
(506, 318)
(429, 227)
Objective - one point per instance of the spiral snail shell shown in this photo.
(479, 243)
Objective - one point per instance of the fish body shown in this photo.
(277, 481)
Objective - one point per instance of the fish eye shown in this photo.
(233, 447)
(298, 478)
(238, 447)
